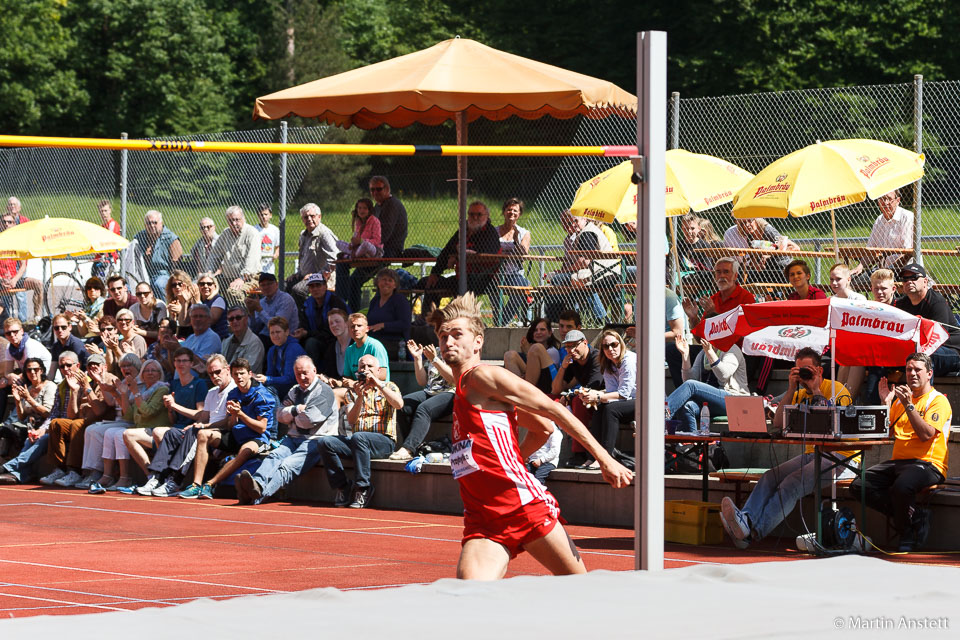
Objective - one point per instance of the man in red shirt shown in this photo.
(729, 295)
(99, 267)
(506, 510)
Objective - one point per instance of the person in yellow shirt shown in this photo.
(780, 489)
(920, 416)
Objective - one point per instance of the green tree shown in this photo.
(39, 91)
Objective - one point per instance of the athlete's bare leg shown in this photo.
(556, 552)
(482, 559)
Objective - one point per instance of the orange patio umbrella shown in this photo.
(457, 79)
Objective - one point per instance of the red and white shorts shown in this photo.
(514, 530)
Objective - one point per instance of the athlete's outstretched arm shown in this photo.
(498, 383)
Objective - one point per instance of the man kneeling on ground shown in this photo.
(311, 411)
(780, 489)
(921, 418)
(251, 422)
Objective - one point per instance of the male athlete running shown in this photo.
(506, 510)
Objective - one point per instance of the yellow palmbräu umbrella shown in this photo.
(694, 181)
(57, 238)
(826, 176)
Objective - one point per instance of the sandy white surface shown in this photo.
(841, 597)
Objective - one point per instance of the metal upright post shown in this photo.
(123, 188)
(675, 144)
(283, 205)
(461, 120)
(649, 311)
(918, 148)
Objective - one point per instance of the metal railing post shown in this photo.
(918, 148)
(123, 187)
(281, 269)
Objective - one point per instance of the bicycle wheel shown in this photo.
(62, 292)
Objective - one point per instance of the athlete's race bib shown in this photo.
(461, 458)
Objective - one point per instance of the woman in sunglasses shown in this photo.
(615, 404)
(181, 293)
(128, 340)
(87, 317)
(147, 312)
(20, 347)
(210, 296)
(33, 396)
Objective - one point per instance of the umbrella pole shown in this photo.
(836, 243)
(461, 120)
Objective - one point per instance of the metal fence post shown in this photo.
(283, 205)
(918, 148)
(123, 187)
(675, 144)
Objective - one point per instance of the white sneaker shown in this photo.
(734, 522)
(68, 480)
(53, 476)
(169, 488)
(87, 480)
(152, 483)
(401, 454)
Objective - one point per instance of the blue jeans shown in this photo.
(516, 302)
(22, 467)
(22, 306)
(686, 401)
(349, 283)
(946, 360)
(160, 285)
(285, 463)
(362, 446)
(419, 411)
(555, 304)
(779, 489)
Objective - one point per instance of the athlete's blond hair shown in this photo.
(465, 306)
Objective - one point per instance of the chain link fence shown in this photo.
(748, 130)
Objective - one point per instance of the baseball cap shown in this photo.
(316, 277)
(574, 335)
(913, 269)
(266, 277)
(96, 358)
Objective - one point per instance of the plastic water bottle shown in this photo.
(705, 420)
(402, 351)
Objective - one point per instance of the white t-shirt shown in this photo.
(269, 240)
(216, 402)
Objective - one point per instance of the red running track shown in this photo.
(68, 552)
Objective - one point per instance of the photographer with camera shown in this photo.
(373, 420)
(780, 489)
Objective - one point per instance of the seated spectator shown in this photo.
(251, 422)
(389, 314)
(64, 340)
(545, 459)
(373, 419)
(23, 468)
(317, 253)
(33, 397)
(314, 330)
(204, 341)
(729, 368)
(182, 293)
(186, 391)
(892, 229)
(119, 296)
(111, 388)
(86, 406)
(13, 276)
(539, 357)
(335, 358)
(482, 238)
(147, 312)
(615, 404)
(781, 488)
(840, 283)
(162, 350)
(161, 250)
(311, 411)
(919, 299)
(362, 345)
(882, 286)
(366, 242)
(20, 347)
(920, 416)
(235, 258)
(128, 340)
(576, 270)
(433, 402)
(86, 318)
(674, 325)
(757, 233)
(271, 303)
(210, 296)
(177, 447)
(142, 409)
(279, 374)
(797, 274)
(579, 370)
(242, 343)
(269, 239)
(107, 335)
(203, 247)
(514, 241)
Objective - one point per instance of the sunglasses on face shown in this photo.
(377, 189)
(174, 285)
(205, 284)
(117, 288)
(12, 332)
(124, 320)
(61, 326)
(611, 345)
(215, 372)
(36, 369)
(234, 318)
(910, 278)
